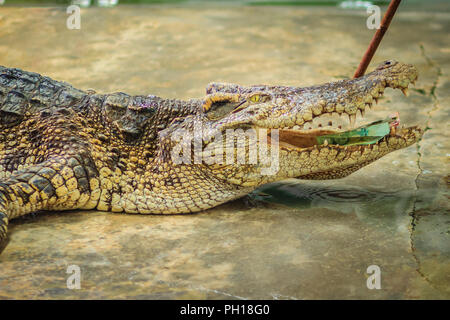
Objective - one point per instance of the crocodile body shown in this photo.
(62, 148)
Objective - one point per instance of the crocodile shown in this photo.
(62, 148)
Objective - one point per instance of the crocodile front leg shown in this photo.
(60, 183)
(3, 219)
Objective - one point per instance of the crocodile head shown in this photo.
(249, 136)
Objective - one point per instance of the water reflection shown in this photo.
(368, 205)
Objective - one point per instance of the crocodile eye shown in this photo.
(255, 98)
(259, 98)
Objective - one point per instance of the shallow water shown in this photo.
(290, 240)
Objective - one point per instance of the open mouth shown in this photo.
(367, 134)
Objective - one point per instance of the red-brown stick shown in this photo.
(387, 18)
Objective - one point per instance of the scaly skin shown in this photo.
(62, 148)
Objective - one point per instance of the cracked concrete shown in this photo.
(306, 239)
(435, 106)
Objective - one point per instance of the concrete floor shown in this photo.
(302, 240)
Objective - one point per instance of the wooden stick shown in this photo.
(377, 38)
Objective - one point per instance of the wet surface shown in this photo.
(290, 240)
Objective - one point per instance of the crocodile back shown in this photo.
(26, 93)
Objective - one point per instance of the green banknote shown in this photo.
(368, 134)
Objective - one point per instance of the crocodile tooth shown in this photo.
(376, 100)
(362, 112)
(352, 118)
(405, 91)
(325, 143)
(393, 130)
